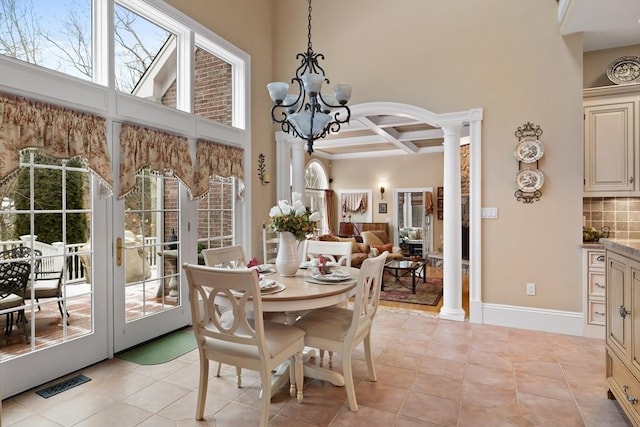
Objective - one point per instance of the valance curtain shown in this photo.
(55, 132)
(161, 152)
(354, 202)
(216, 159)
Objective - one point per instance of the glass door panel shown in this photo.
(149, 303)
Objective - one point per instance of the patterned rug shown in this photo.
(426, 293)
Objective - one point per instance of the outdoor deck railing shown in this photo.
(75, 271)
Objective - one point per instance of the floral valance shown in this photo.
(53, 131)
(216, 159)
(354, 202)
(161, 152)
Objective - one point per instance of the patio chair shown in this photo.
(248, 343)
(13, 282)
(341, 330)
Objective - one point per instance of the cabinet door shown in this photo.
(618, 295)
(609, 147)
(635, 317)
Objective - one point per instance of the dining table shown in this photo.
(293, 296)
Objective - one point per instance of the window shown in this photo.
(315, 182)
(215, 214)
(46, 213)
(52, 34)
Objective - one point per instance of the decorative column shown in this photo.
(452, 230)
(283, 166)
(297, 165)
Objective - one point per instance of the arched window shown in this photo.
(315, 184)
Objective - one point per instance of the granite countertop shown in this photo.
(592, 245)
(627, 247)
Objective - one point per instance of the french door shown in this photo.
(149, 293)
(52, 219)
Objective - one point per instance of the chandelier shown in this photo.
(309, 114)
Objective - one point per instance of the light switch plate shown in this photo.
(489, 213)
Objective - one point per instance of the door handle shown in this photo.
(119, 251)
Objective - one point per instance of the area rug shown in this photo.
(426, 293)
(161, 350)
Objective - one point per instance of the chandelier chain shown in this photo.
(309, 48)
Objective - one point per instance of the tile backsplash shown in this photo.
(620, 214)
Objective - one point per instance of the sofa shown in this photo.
(359, 251)
(379, 242)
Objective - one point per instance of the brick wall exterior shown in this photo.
(212, 88)
(213, 100)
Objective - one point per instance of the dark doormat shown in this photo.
(64, 385)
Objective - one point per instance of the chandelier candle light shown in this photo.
(309, 114)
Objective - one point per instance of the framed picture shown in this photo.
(440, 206)
(440, 193)
(382, 208)
(440, 214)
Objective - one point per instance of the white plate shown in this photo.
(307, 264)
(529, 151)
(266, 285)
(279, 287)
(529, 180)
(335, 276)
(624, 70)
(265, 268)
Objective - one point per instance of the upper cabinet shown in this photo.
(611, 141)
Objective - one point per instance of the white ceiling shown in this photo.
(604, 24)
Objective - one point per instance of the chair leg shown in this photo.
(348, 381)
(219, 368)
(9, 324)
(265, 376)
(238, 377)
(61, 312)
(369, 358)
(202, 386)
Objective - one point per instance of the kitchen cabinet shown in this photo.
(594, 285)
(611, 141)
(622, 323)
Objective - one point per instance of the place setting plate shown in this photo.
(308, 264)
(268, 287)
(335, 277)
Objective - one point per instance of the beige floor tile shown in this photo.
(431, 372)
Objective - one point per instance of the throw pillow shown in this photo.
(328, 238)
(381, 248)
(354, 244)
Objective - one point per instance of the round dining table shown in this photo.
(296, 294)
(302, 292)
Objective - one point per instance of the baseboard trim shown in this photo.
(536, 319)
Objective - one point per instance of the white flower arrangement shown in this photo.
(294, 218)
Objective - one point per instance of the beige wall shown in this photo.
(445, 56)
(596, 63)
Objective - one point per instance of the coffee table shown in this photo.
(400, 268)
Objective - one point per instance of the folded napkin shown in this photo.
(253, 263)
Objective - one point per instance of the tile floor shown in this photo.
(431, 372)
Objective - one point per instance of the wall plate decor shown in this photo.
(529, 150)
(624, 70)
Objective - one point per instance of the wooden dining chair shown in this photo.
(250, 343)
(270, 242)
(341, 329)
(228, 256)
(339, 252)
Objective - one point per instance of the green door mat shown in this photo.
(161, 350)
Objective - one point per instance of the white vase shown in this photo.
(287, 262)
